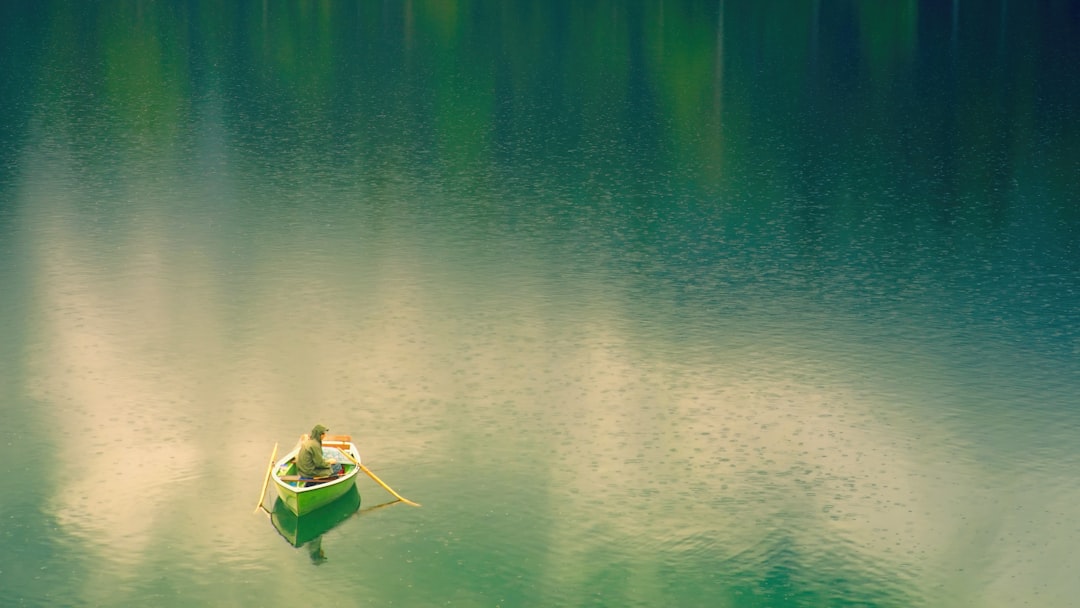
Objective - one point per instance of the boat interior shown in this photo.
(334, 447)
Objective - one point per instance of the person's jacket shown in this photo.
(310, 461)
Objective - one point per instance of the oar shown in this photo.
(266, 479)
(386, 487)
(379, 481)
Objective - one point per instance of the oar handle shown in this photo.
(345, 450)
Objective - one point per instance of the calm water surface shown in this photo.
(648, 303)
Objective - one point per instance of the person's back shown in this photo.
(309, 460)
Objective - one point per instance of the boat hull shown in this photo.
(302, 500)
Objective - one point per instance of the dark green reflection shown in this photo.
(307, 530)
(646, 86)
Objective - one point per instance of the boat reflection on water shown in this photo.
(307, 530)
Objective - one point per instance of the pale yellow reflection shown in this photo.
(115, 415)
(160, 405)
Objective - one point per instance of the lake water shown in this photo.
(734, 304)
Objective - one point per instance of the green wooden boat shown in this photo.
(302, 496)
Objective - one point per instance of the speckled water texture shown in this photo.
(726, 304)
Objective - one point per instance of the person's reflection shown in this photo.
(315, 552)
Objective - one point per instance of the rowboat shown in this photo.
(304, 496)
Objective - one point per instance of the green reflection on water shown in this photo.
(302, 530)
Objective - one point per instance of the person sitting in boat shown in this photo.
(309, 460)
